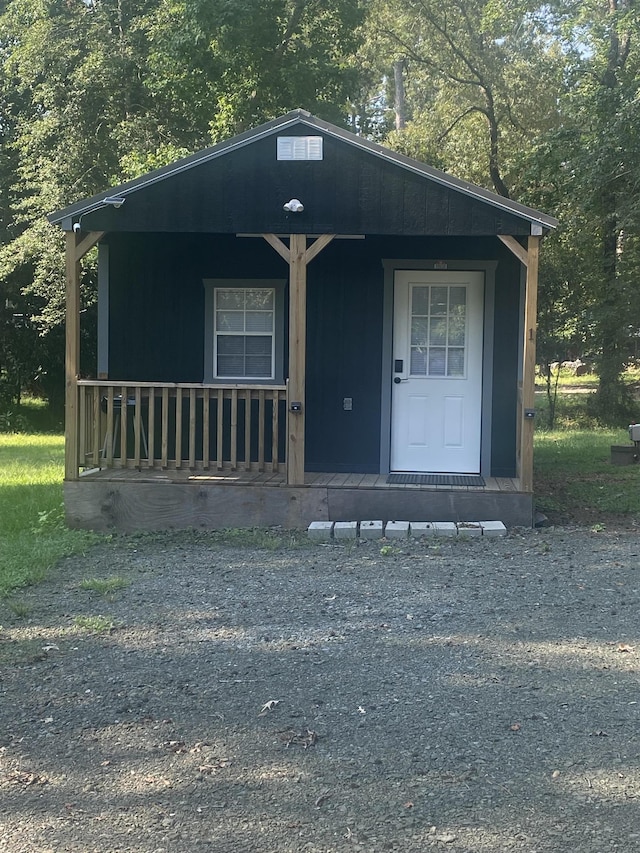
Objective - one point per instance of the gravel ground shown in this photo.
(464, 696)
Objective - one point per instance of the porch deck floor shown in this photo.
(312, 480)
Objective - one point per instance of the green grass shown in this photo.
(94, 624)
(105, 586)
(573, 474)
(33, 536)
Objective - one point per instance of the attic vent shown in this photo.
(299, 148)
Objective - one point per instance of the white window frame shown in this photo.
(212, 287)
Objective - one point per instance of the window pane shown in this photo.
(457, 296)
(438, 332)
(230, 299)
(230, 321)
(259, 299)
(437, 357)
(231, 345)
(455, 363)
(418, 362)
(420, 300)
(439, 300)
(230, 365)
(258, 345)
(258, 366)
(259, 321)
(457, 330)
(419, 331)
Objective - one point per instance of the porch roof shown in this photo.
(508, 217)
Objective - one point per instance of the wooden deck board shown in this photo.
(254, 477)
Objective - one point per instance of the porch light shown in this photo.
(294, 206)
(114, 200)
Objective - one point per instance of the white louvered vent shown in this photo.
(299, 148)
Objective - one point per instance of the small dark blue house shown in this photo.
(298, 324)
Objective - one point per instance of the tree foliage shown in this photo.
(94, 92)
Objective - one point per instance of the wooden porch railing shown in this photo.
(186, 425)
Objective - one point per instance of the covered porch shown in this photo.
(154, 455)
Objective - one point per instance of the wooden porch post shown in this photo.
(297, 357)
(529, 366)
(72, 358)
(75, 250)
(297, 256)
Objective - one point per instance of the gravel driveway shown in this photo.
(270, 695)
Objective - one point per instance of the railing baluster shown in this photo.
(261, 429)
(192, 427)
(151, 428)
(220, 435)
(165, 427)
(123, 426)
(205, 428)
(137, 424)
(109, 437)
(234, 429)
(82, 432)
(247, 429)
(96, 426)
(274, 425)
(178, 453)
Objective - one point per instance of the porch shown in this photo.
(142, 498)
(162, 455)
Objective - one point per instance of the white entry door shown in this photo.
(437, 371)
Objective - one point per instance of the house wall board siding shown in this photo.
(344, 357)
(156, 330)
(505, 365)
(244, 191)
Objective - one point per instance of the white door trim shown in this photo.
(390, 266)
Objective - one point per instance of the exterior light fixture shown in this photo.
(294, 206)
(114, 200)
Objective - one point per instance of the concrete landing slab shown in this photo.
(371, 529)
(422, 528)
(397, 529)
(445, 528)
(345, 529)
(493, 528)
(320, 531)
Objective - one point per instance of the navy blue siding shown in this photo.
(350, 191)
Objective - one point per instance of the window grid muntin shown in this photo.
(438, 331)
(241, 303)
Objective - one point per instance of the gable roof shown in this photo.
(297, 118)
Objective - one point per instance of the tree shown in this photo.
(98, 91)
(479, 77)
(600, 112)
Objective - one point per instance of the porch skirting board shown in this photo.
(129, 506)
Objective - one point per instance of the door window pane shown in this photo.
(419, 331)
(438, 330)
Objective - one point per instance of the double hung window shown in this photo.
(243, 331)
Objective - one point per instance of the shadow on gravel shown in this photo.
(463, 696)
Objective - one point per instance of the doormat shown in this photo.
(435, 480)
